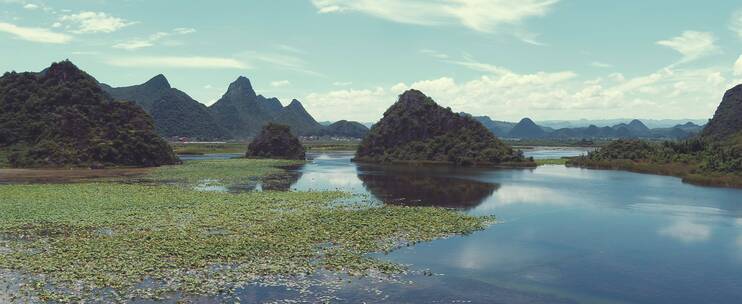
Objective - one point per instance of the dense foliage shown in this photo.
(415, 128)
(62, 117)
(625, 149)
(276, 141)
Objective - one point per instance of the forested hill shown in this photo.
(415, 128)
(62, 117)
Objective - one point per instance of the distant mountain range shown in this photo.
(174, 112)
(651, 123)
(528, 129)
(240, 113)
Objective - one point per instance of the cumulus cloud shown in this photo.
(34, 34)
(691, 44)
(194, 62)
(507, 95)
(31, 6)
(93, 22)
(478, 15)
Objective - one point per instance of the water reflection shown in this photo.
(686, 230)
(423, 187)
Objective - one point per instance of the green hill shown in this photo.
(416, 129)
(275, 141)
(175, 114)
(61, 117)
(344, 128)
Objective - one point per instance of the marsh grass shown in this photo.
(208, 148)
(558, 161)
(104, 240)
(222, 171)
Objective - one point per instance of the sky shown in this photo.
(350, 59)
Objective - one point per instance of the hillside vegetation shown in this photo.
(61, 117)
(714, 157)
(276, 141)
(416, 129)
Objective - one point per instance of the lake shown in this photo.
(564, 235)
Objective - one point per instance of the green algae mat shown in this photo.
(118, 242)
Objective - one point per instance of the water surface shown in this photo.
(565, 235)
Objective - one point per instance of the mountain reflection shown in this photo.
(416, 188)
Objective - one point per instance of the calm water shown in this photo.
(565, 235)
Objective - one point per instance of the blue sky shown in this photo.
(546, 59)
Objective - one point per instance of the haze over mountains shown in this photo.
(528, 129)
(239, 114)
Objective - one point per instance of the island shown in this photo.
(417, 130)
(275, 141)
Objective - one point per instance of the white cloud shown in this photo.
(478, 15)
(738, 66)
(93, 22)
(342, 83)
(736, 23)
(194, 62)
(599, 64)
(31, 6)
(691, 44)
(280, 83)
(135, 44)
(34, 34)
(507, 95)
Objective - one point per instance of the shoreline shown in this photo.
(686, 173)
(504, 165)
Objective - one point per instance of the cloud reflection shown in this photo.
(687, 231)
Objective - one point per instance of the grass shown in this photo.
(688, 172)
(210, 148)
(558, 161)
(331, 145)
(103, 240)
(216, 148)
(227, 171)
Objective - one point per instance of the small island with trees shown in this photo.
(417, 130)
(276, 141)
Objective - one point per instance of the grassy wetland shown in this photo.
(115, 242)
